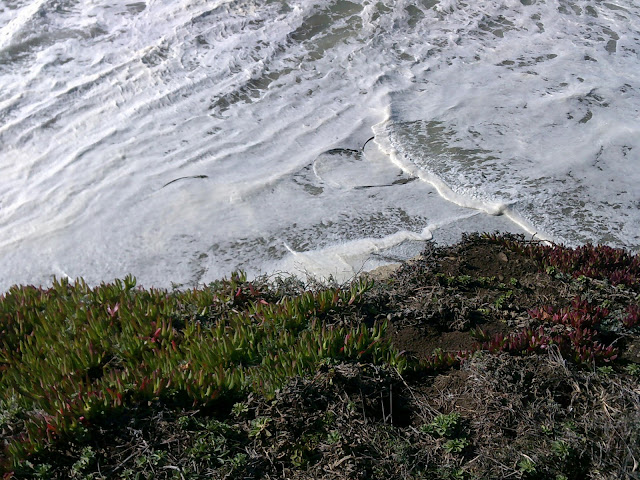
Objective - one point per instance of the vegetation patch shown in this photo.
(492, 358)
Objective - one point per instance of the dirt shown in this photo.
(438, 299)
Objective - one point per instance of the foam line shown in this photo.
(490, 208)
(344, 260)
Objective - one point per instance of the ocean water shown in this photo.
(179, 140)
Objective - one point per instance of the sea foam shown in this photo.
(180, 140)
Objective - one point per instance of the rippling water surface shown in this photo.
(180, 140)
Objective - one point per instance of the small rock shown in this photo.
(502, 257)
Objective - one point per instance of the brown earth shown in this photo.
(434, 304)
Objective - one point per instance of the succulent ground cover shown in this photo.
(492, 358)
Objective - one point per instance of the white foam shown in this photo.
(19, 22)
(536, 120)
(343, 261)
(239, 101)
(445, 191)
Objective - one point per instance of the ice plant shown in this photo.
(593, 261)
(573, 329)
(633, 316)
(72, 353)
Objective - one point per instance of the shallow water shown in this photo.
(180, 140)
